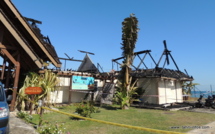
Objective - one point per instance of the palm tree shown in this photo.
(187, 87)
(129, 38)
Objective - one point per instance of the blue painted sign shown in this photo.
(82, 83)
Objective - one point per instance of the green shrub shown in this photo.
(85, 109)
(25, 116)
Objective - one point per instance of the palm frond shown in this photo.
(47, 81)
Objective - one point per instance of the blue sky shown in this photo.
(188, 26)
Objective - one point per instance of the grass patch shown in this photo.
(156, 119)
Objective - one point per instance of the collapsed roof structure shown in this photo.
(157, 71)
(158, 85)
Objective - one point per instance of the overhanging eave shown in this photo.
(19, 39)
(30, 31)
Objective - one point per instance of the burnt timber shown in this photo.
(156, 72)
(22, 47)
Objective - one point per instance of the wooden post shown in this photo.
(41, 113)
(41, 109)
(32, 99)
(3, 69)
(92, 95)
(70, 92)
(8, 76)
(102, 92)
(15, 85)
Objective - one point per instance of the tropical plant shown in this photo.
(49, 85)
(126, 98)
(47, 81)
(129, 37)
(187, 87)
(31, 80)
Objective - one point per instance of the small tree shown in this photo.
(125, 97)
(129, 38)
(187, 87)
(47, 81)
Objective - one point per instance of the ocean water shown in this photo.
(205, 94)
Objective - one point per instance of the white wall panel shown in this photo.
(64, 81)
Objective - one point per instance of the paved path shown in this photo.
(18, 126)
(209, 129)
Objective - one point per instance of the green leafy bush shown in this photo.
(85, 109)
(25, 116)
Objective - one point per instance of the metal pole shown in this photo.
(195, 90)
(65, 66)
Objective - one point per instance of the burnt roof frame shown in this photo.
(145, 52)
(167, 53)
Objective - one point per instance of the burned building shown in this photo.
(159, 84)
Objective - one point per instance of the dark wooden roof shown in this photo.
(19, 37)
(162, 73)
(153, 73)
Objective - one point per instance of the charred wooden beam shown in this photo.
(1, 33)
(70, 59)
(33, 20)
(117, 59)
(5, 52)
(141, 61)
(86, 52)
(140, 52)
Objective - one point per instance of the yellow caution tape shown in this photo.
(116, 124)
(107, 122)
